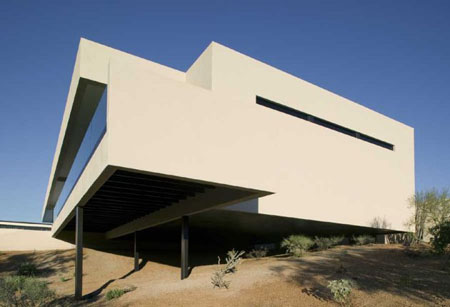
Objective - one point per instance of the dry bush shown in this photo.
(257, 253)
(218, 280)
(323, 243)
(231, 261)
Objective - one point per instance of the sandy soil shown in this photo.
(385, 275)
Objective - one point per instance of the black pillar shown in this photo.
(184, 247)
(79, 253)
(136, 253)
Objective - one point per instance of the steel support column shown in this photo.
(136, 253)
(184, 247)
(79, 253)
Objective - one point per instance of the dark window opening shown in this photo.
(321, 122)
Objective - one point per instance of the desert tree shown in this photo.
(431, 208)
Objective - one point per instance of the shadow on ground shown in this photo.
(373, 270)
(58, 261)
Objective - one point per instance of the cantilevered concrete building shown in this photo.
(232, 142)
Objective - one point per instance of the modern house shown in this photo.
(25, 236)
(232, 143)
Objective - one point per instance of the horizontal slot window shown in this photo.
(91, 139)
(321, 122)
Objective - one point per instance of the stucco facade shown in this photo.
(22, 236)
(204, 126)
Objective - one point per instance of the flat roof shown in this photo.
(24, 224)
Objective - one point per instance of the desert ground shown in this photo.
(384, 275)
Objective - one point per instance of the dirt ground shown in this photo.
(385, 275)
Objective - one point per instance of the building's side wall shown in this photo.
(161, 125)
(25, 240)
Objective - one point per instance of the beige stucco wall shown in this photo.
(24, 240)
(207, 126)
(166, 126)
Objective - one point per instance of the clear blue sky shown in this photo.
(391, 56)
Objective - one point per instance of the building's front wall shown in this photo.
(205, 125)
(166, 126)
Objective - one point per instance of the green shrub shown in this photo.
(64, 278)
(24, 291)
(363, 239)
(323, 243)
(114, 293)
(118, 292)
(257, 253)
(296, 245)
(337, 240)
(341, 290)
(441, 237)
(27, 269)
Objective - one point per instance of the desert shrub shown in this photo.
(336, 240)
(441, 237)
(322, 243)
(118, 292)
(114, 293)
(257, 253)
(341, 290)
(231, 261)
(24, 291)
(64, 278)
(218, 280)
(27, 269)
(296, 245)
(363, 239)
